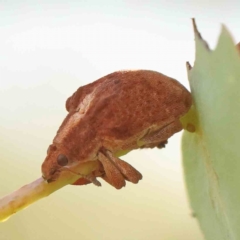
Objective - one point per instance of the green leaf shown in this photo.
(211, 155)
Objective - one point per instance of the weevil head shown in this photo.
(57, 158)
(75, 142)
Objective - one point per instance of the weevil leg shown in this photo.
(129, 172)
(81, 181)
(86, 180)
(159, 138)
(155, 144)
(112, 174)
(93, 179)
(162, 144)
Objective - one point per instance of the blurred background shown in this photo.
(50, 48)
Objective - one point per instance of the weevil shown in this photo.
(122, 111)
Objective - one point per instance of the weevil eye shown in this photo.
(62, 160)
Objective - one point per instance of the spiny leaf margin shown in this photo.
(211, 157)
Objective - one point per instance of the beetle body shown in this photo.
(120, 112)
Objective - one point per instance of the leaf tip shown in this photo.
(198, 35)
(226, 41)
(226, 32)
(188, 66)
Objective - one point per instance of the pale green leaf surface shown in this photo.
(211, 155)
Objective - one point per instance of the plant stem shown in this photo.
(38, 189)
